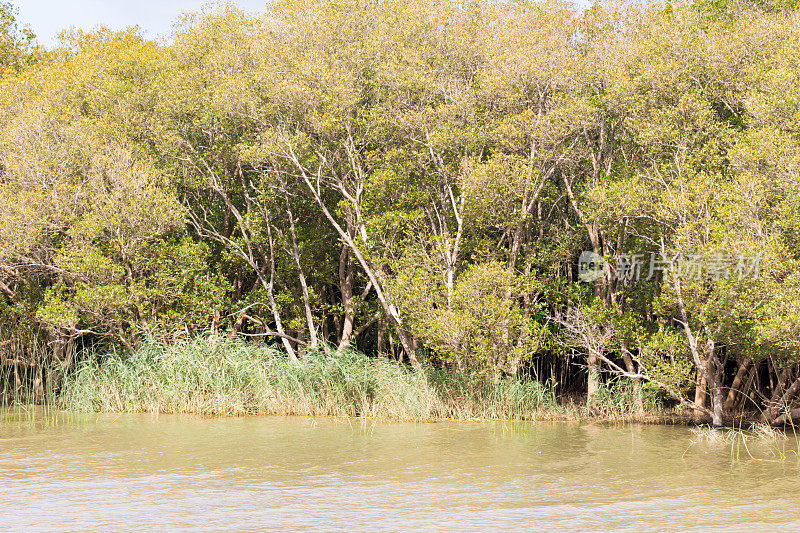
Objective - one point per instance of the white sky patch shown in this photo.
(47, 18)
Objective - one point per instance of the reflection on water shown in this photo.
(139, 472)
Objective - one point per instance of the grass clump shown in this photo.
(624, 399)
(228, 376)
(757, 440)
(757, 432)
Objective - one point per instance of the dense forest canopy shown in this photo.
(419, 178)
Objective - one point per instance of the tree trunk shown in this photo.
(699, 396)
(787, 417)
(710, 368)
(773, 409)
(593, 379)
(381, 336)
(325, 320)
(735, 390)
(409, 347)
(300, 346)
(715, 370)
(717, 398)
(748, 393)
(270, 288)
(346, 288)
(637, 383)
(312, 331)
(778, 407)
(391, 311)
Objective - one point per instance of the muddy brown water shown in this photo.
(138, 472)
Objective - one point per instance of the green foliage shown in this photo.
(479, 325)
(417, 171)
(16, 42)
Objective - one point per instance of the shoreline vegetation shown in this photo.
(408, 209)
(223, 376)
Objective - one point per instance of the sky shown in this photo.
(49, 17)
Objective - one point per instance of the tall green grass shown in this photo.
(224, 376)
(620, 398)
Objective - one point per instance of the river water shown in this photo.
(138, 472)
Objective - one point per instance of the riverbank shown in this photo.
(228, 377)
